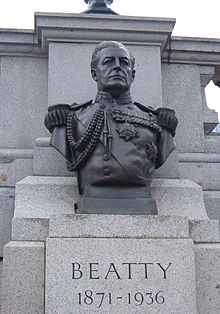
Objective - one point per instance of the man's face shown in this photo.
(114, 72)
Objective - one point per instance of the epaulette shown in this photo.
(76, 106)
(145, 108)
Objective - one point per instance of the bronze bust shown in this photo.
(112, 143)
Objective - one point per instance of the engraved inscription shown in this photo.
(117, 272)
(125, 271)
(98, 299)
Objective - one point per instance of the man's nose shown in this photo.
(117, 64)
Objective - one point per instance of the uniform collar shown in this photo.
(105, 98)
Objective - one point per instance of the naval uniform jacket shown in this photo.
(138, 144)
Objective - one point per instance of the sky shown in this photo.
(194, 18)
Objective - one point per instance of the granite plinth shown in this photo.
(23, 278)
(40, 197)
(206, 231)
(207, 259)
(114, 275)
(179, 198)
(124, 255)
(30, 229)
(123, 226)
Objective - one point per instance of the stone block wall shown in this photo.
(23, 102)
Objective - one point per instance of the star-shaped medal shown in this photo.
(127, 131)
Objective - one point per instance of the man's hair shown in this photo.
(107, 44)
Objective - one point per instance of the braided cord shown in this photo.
(88, 141)
(85, 139)
(69, 130)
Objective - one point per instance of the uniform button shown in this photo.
(107, 172)
(106, 157)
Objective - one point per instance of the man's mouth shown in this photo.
(117, 76)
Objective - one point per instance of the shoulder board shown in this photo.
(145, 108)
(76, 106)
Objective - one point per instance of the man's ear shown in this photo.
(133, 74)
(93, 73)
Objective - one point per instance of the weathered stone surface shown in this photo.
(40, 197)
(201, 168)
(204, 230)
(63, 289)
(30, 229)
(6, 214)
(14, 170)
(47, 161)
(207, 259)
(124, 226)
(24, 100)
(212, 144)
(184, 96)
(69, 88)
(179, 198)
(23, 278)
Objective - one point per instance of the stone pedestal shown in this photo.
(207, 257)
(43, 196)
(117, 260)
(23, 278)
(114, 264)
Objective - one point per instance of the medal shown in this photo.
(127, 131)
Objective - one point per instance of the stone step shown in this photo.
(41, 197)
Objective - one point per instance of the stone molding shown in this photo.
(188, 50)
(199, 157)
(89, 28)
(8, 154)
(63, 27)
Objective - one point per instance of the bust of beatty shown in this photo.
(113, 143)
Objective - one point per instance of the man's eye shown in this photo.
(107, 61)
(125, 62)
